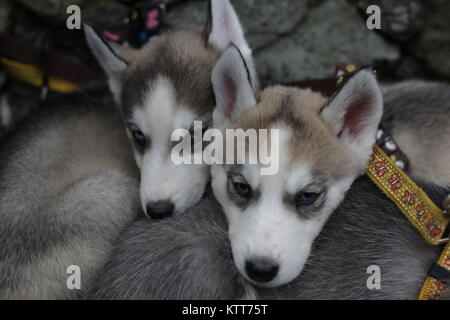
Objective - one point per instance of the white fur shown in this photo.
(161, 179)
(250, 293)
(226, 27)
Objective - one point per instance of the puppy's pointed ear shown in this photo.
(223, 29)
(109, 60)
(354, 112)
(233, 88)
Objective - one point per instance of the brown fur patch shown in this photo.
(312, 140)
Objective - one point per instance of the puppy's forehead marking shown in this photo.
(291, 175)
(160, 114)
(156, 112)
(312, 140)
(181, 57)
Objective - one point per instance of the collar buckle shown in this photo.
(445, 236)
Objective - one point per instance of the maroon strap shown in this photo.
(325, 86)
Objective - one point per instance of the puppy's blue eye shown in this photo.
(138, 137)
(306, 198)
(242, 189)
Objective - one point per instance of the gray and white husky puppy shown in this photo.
(167, 87)
(268, 237)
(68, 180)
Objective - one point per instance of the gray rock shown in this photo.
(333, 33)
(187, 14)
(433, 43)
(400, 19)
(267, 20)
(264, 20)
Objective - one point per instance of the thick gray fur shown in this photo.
(68, 187)
(418, 115)
(188, 257)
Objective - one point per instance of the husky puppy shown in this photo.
(68, 181)
(166, 87)
(417, 114)
(272, 221)
(324, 146)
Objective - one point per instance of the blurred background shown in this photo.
(292, 39)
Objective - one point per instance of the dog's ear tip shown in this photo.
(87, 25)
(368, 70)
(90, 27)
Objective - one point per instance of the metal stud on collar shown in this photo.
(446, 207)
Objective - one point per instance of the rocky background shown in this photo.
(292, 39)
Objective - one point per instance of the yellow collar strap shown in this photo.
(438, 280)
(33, 75)
(426, 217)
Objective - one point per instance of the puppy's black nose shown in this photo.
(261, 270)
(160, 209)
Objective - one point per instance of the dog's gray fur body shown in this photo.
(188, 257)
(417, 113)
(68, 186)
